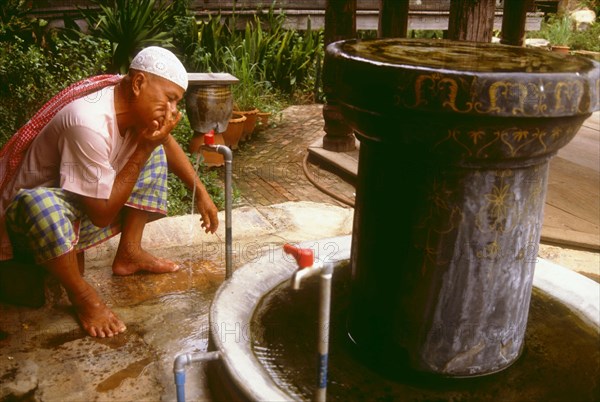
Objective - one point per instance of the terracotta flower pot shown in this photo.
(262, 120)
(250, 123)
(235, 129)
(210, 158)
(560, 49)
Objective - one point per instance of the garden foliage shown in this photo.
(130, 25)
(269, 60)
(36, 63)
(275, 65)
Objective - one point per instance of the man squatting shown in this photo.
(91, 163)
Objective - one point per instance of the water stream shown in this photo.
(196, 167)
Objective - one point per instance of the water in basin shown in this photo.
(560, 360)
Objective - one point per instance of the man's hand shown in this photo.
(158, 133)
(208, 213)
(180, 165)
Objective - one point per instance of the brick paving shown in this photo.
(268, 168)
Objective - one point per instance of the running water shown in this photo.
(196, 167)
(192, 207)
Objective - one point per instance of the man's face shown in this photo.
(156, 96)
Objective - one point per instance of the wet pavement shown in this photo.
(45, 355)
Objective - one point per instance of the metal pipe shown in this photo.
(228, 157)
(183, 360)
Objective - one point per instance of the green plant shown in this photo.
(248, 91)
(290, 58)
(588, 39)
(15, 21)
(130, 25)
(425, 34)
(558, 30)
(267, 58)
(30, 75)
(206, 51)
(179, 198)
(185, 38)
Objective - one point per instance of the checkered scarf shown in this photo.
(13, 151)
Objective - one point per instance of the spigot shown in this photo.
(209, 142)
(305, 257)
(209, 138)
(203, 141)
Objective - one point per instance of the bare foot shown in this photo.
(129, 262)
(96, 318)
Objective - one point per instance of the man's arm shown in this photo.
(180, 165)
(102, 212)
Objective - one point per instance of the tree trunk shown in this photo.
(471, 20)
(393, 18)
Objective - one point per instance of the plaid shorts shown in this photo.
(47, 222)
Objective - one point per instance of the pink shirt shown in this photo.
(80, 150)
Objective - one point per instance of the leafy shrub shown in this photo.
(289, 60)
(208, 52)
(185, 37)
(15, 22)
(588, 39)
(558, 30)
(130, 25)
(269, 60)
(425, 34)
(31, 75)
(36, 63)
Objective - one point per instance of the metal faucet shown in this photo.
(307, 267)
(184, 359)
(209, 145)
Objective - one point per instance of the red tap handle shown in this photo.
(304, 256)
(209, 138)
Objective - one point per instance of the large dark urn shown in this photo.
(455, 140)
(209, 101)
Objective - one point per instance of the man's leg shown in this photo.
(95, 317)
(43, 223)
(148, 201)
(130, 257)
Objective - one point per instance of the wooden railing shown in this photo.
(424, 14)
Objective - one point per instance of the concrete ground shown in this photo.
(44, 354)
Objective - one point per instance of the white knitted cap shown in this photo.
(161, 62)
